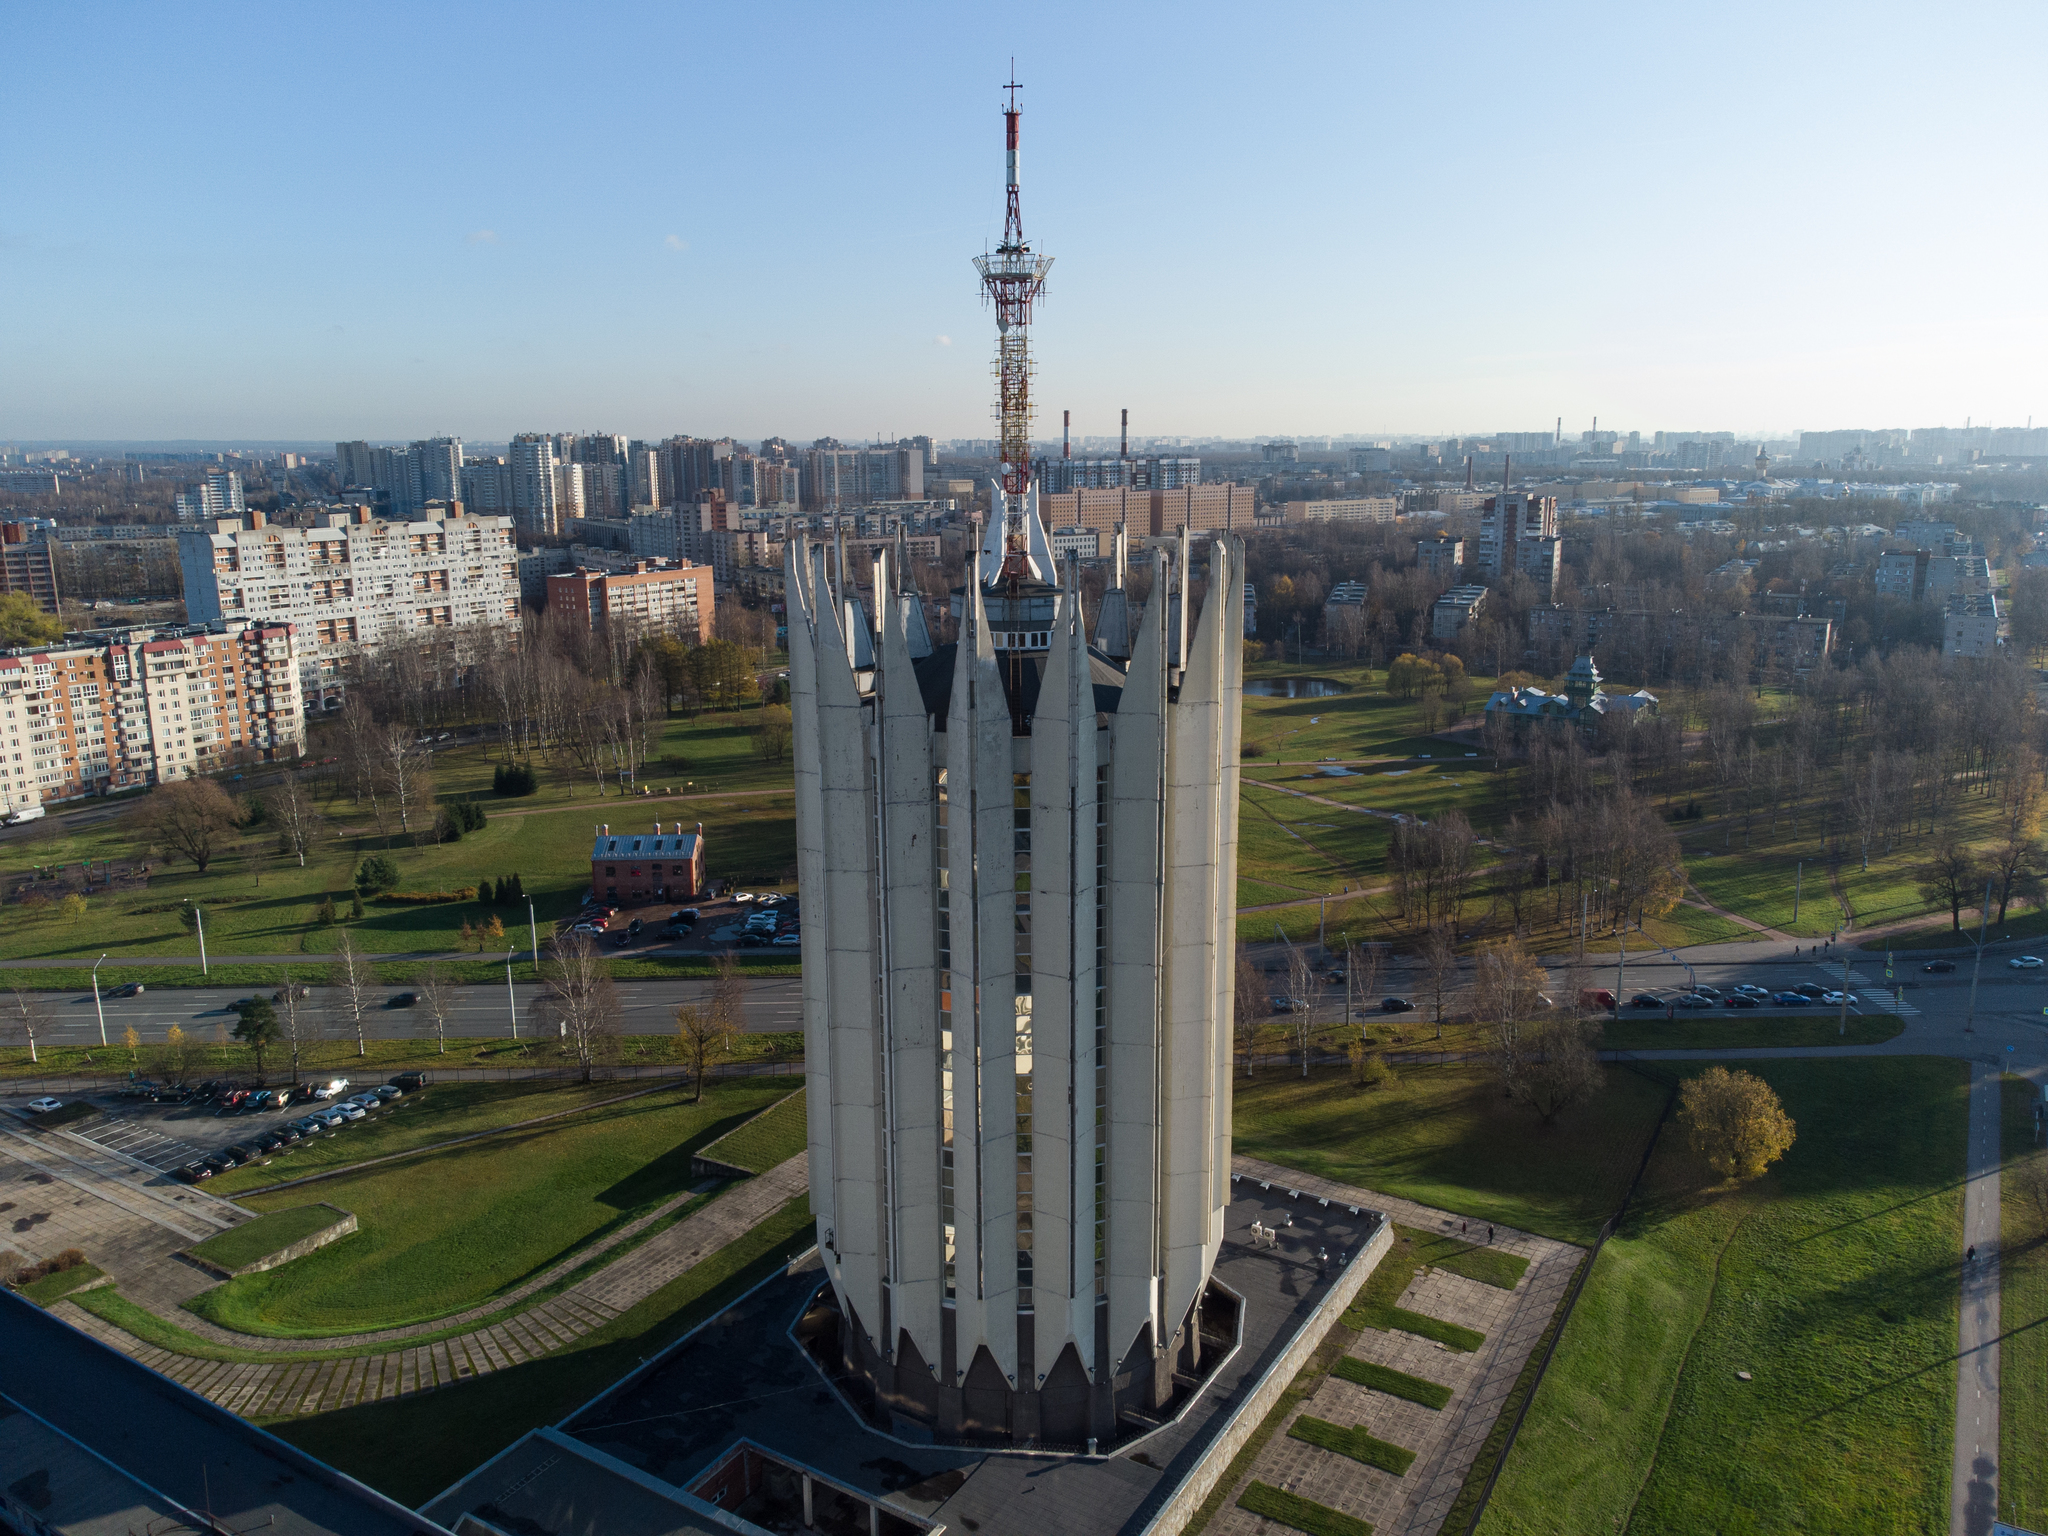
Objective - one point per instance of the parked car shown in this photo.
(743, 896)
(388, 1092)
(331, 1088)
(1396, 1005)
(402, 1000)
(593, 927)
(2025, 962)
(1791, 999)
(288, 1134)
(351, 1112)
(682, 914)
(129, 989)
(409, 1082)
(789, 940)
(1740, 1000)
(330, 1119)
(753, 939)
(1646, 1000)
(44, 1106)
(194, 1173)
(268, 1142)
(769, 900)
(1940, 967)
(234, 1156)
(218, 1162)
(635, 926)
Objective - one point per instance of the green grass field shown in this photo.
(1444, 1136)
(1384, 1378)
(1721, 1032)
(413, 1448)
(2023, 1312)
(266, 1235)
(1832, 1281)
(774, 1136)
(472, 1223)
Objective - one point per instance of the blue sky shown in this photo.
(388, 221)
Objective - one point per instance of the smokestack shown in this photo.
(1557, 437)
(1125, 451)
(1066, 434)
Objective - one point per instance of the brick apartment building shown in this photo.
(664, 865)
(652, 596)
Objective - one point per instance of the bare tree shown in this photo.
(1248, 1006)
(353, 976)
(729, 994)
(27, 1017)
(1440, 965)
(402, 768)
(297, 1025)
(1301, 987)
(1361, 977)
(579, 1002)
(193, 817)
(1506, 985)
(290, 809)
(437, 997)
(704, 1041)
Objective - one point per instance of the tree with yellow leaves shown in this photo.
(1735, 1121)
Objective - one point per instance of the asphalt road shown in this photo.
(772, 1003)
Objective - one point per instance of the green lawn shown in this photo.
(2023, 1313)
(1349, 1440)
(2020, 923)
(1291, 1509)
(1444, 1136)
(1384, 1378)
(58, 1284)
(1832, 1281)
(1377, 1303)
(1720, 1032)
(412, 1448)
(774, 1136)
(266, 1235)
(480, 1218)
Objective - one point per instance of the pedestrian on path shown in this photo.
(1971, 1256)
(1489, 1237)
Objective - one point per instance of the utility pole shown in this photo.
(1322, 918)
(1977, 965)
(97, 1008)
(199, 921)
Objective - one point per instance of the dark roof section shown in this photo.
(1021, 680)
(166, 1437)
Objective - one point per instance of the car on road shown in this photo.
(297, 989)
(1740, 1000)
(1692, 1000)
(402, 1000)
(1939, 967)
(1791, 999)
(789, 940)
(193, 1173)
(1287, 1004)
(1808, 989)
(1750, 989)
(1396, 1005)
(1711, 994)
(44, 1106)
(622, 940)
(2025, 962)
(635, 926)
(129, 989)
(408, 1082)
(1838, 998)
(1646, 1000)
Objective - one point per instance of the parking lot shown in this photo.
(742, 919)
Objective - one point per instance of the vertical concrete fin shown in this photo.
(806, 736)
(1053, 1007)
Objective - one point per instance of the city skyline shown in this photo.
(1516, 218)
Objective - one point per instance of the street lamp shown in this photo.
(511, 1001)
(97, 1008)
(199, 922)
(533, 932)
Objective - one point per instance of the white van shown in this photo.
(26, 813)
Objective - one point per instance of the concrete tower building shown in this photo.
(1018, 854)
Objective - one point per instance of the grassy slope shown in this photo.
(1445, 1137)
(1832, 1280)
(412, 1448)
(60, 1283)
(772, 1137)
(434, 1239)
(2023, 1317)
(268, 1233)
(1707, 1032)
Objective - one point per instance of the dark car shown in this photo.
(753, 940)
(1646, 1000)
(1739, 1000)
(297, 989)
(684, 915)
(620, 941)
(634, 926)
(236, 1155)
(1939, 966)
(1791, 999)
(131, 989)
(1694, 1000)
(1808, 989)
(219, 1162)
(402, 1000)
(287, 1134)
(193, 1173)
(409, 1082)
(1396, 1005)
(269, 1141)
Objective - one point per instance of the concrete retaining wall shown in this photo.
(344, 1223)
(1251, 1413)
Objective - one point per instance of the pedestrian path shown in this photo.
(1973, 1485)
(291, 1386)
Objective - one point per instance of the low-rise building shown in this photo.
(1454, 610)
(1442, 556)
(1971, 626)
(1351, 509)
(633, 868)
(653, 597)
(1583, 705)
(27, 565)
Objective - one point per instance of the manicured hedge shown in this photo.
(421, 898)
(1384, 1378)
(1353, 1442)
(1303, 1514)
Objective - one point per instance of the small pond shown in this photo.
(1292, 688)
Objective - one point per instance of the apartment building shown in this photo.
(1348, 509)
(27, 566)
(653, 597)
(1971, 625)
(357, 582)
(115, 709)
(1454, 610)
(1441, 556)
(1150, 513)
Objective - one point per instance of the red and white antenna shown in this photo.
(1013, 278)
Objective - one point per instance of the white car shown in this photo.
(590, 928)
(1838, 998)
(351, 1111)
(44, 1106)
(742, 896)
(2025, 962)
(789, 940)
(1750, 989)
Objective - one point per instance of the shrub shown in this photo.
(324, 914)
(446, 829)
(379, 872)
(423, 898)
(469, 816)
(486, 892)
(70, 1258)
(355, 905)
(1369, 1068)
(514, 779)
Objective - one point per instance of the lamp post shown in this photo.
(511, 1001)
(533, 932)
(199, 922)
(97, 1008)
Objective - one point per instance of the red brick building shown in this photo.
(629, 868)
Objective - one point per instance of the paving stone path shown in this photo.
(298, 1386)
(1445, 1442)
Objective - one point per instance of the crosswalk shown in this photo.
(131, 1138)
(1873, 993)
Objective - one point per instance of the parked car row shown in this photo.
(333, 1118)
(1743, 995)
(776, 920)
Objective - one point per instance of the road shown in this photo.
(772, 1003)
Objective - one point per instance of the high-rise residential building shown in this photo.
(531, 458)
(118, 709)
(486, 486)
(28, 563)
(218, 495)
(648, 597)
(1018, 857)
(440, 468)
(353, 464)
(1508, 521)
(358, 582)
(835, 475)
(1153, 473)
(646, 486)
